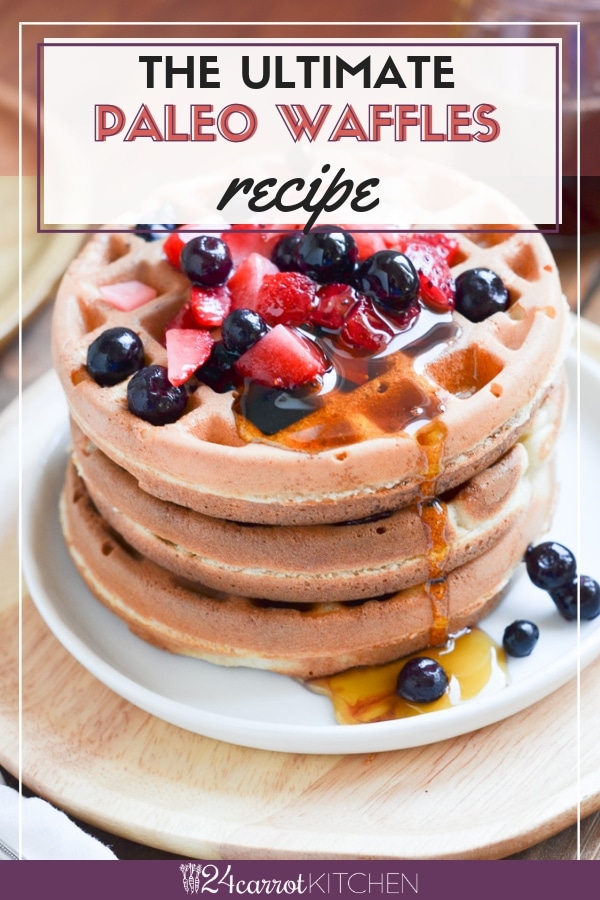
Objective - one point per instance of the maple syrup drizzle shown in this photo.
(474, 663)
(434, 516)
(361, 397)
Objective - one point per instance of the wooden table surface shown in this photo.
(35, 354)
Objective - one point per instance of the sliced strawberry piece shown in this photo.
(210, 305)
(286, 298)
(183, 318)
(127, 295)
(172, 248)
(242, 242)
(367, 242)
(282, 358)
(435, 279)
(364, 329)
(245, 282)
(443, 245)
(187, 349)
(332, 304)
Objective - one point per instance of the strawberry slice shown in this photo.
(364, 329)
(367, 242)
(187, 350)
(435, 279)
(245, 282)
(286, 298)
(172, 248)
(282, 358)
(183, 318)
(127, 295)
(210, 305)
(444, 246)
(262, 239)
(332, 304)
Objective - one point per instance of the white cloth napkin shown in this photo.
(47, 833)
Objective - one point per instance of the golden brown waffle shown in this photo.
(490, 379)
(301, 640)
(306, 563)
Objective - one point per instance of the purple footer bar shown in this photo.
(431, 880)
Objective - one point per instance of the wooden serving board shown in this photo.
(484, 795)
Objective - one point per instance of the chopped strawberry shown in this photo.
(127, 295)
(210, 305)
(443, 245)
(286, 298)
(260, 239)
(172, 248)
(364, 329)
(187, 350)
(282, 358)
(183, 318)
(367, 242)
(245, 282)
(435, 279)
(332, 304)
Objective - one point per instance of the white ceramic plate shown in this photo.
(267, 711)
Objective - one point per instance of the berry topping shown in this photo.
(245, 282)
(332, 304)
(565, 598)
(285, 254)
(328, 254)
(520, 638)
(550, 565)
(242, 329)
(217, 372)
(243, 240)
(206, 260)
(127, 295)
(152, 232)
(286, 298)
(422, 680)
(183, 318)
(172, 248)
(364, 329)
(389, 279)
(210, 305)
(115, 355)
(187, 349)
(444, 246)
(283, 358)
(435, 281)
(368, 243)
(479, 294)
(152, 397)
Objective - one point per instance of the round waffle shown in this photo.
(339, 562)
(352, 458)
(305, 640)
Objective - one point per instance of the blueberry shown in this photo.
(520, 638)
(286, 255)
(550, 565)
(152, 232)
(217, 372)
(241, 329)
(327, 254)
(565, 598)
(206, 260)
(152, 397)
(389, 278)
(479, 294)
(114, 355)
(422, 680)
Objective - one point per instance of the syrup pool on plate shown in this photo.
(474, 663)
